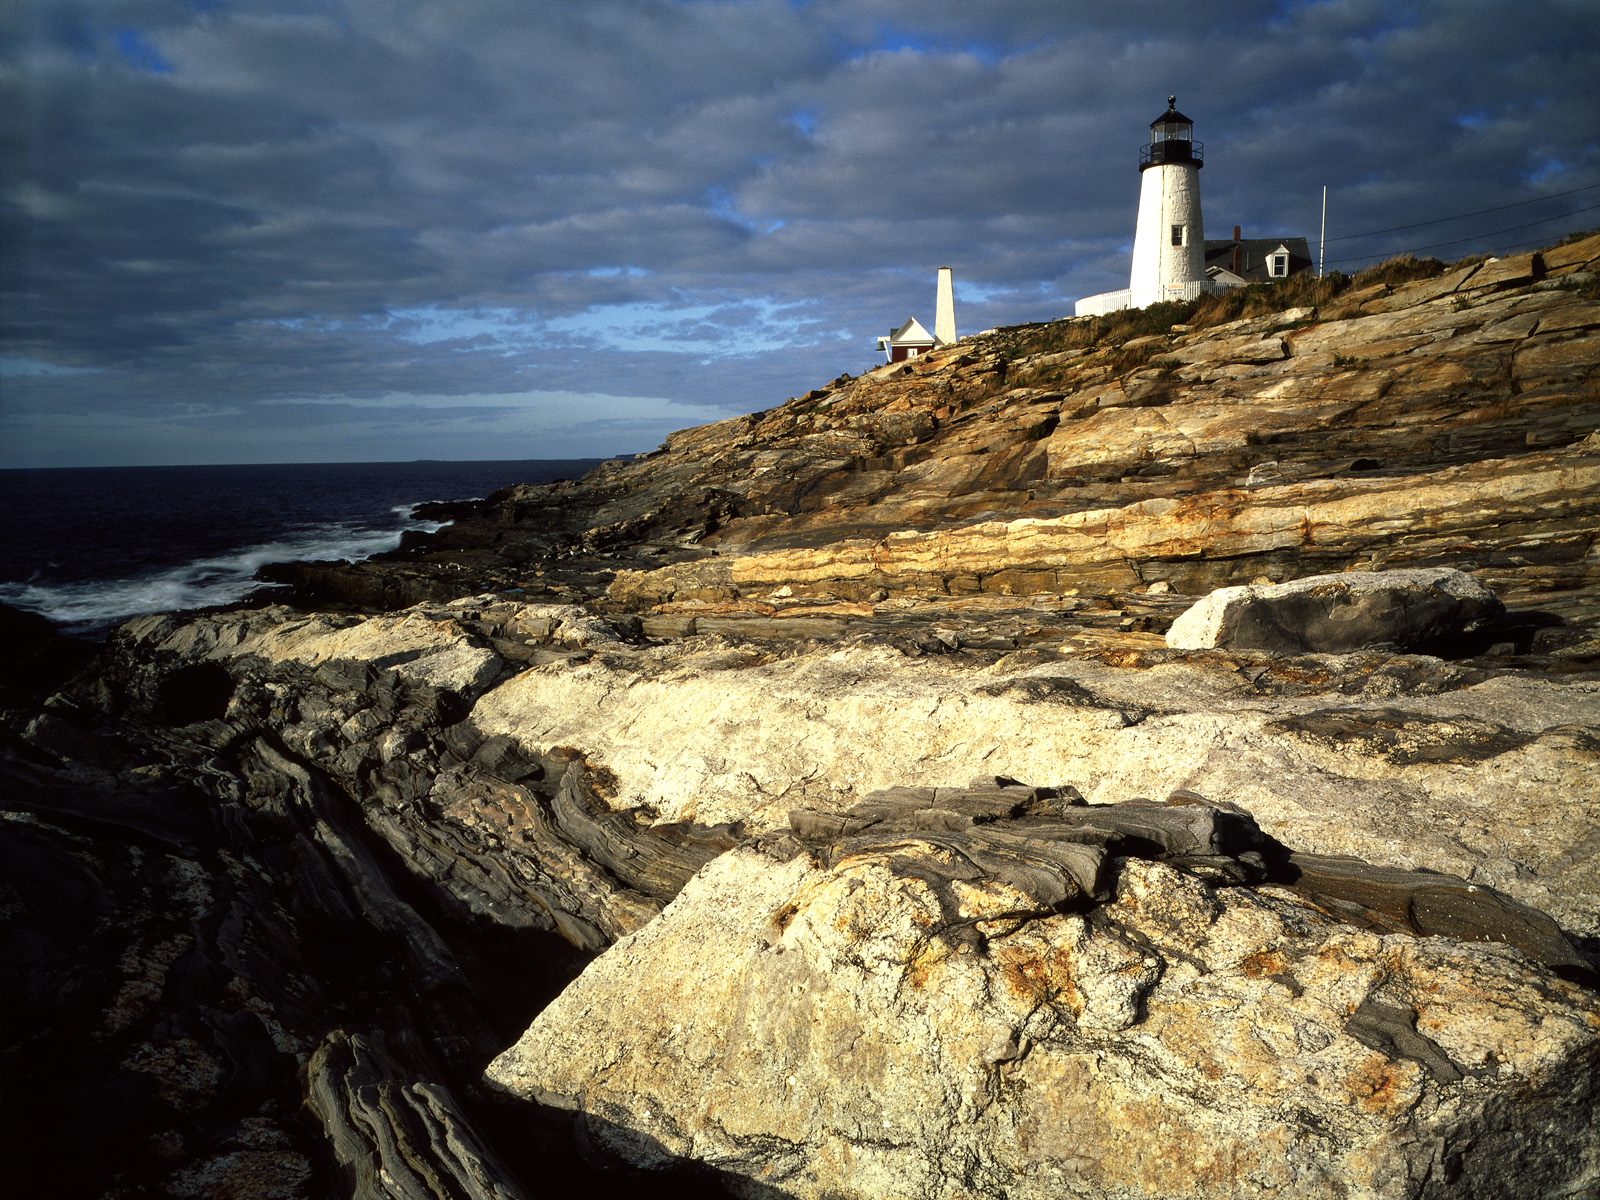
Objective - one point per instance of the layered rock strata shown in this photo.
(1437, 421)
(282, 882)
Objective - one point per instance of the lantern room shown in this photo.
(1172, 140)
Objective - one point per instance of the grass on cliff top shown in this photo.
(1114, 329)
(1254, 300)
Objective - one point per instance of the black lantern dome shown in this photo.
(1171, 140)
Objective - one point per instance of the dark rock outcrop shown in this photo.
(227, 882)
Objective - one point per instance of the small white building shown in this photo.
(910, 340)
(913, 338)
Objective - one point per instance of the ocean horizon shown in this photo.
(91, 547)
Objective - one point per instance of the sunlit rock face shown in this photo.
(1447, 420)
(999, 1001)
(685, 795)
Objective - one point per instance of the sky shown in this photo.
(376, 230)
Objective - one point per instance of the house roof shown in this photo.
(1254, 253)
(912, 333)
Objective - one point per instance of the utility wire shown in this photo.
(1498, 251)
(1458, 216)
(1469, 238)
(1536, 243)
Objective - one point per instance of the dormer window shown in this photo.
(1278, 264)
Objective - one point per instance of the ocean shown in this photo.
(91, 547)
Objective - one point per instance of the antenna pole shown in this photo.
(1322, 238)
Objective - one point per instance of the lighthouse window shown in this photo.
(1178, 234)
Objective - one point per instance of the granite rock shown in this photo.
(1332, 614)
(1401, 760)
(892, 1016)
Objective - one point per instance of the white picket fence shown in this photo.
(1109, 302)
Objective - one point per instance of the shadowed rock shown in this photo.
(396, 1136)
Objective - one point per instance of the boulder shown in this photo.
(1333, 614)
(914, 1012)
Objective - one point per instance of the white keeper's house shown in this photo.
(1172, 260)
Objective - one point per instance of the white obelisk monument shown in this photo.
(1169, 240)
(944, 310)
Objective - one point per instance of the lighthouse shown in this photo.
(1169, 242)
(1171, 258)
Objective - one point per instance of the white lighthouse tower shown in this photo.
(1169, 241)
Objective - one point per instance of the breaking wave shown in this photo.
(89, 607)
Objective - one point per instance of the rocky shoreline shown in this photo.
(816, 806)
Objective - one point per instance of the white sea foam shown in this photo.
(405, 510)
(96, 605)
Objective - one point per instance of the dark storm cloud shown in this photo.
(215, 211)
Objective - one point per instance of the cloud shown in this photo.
(702, 204)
